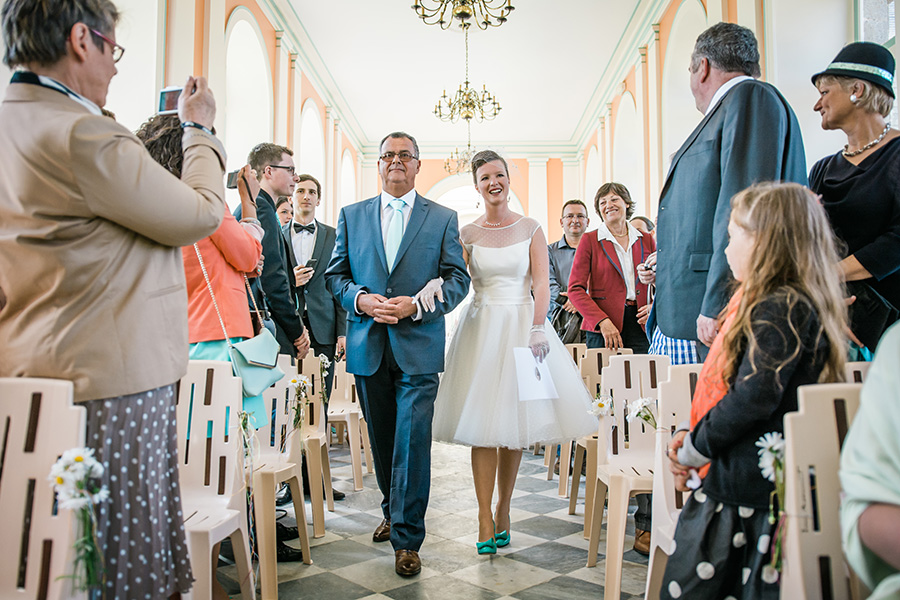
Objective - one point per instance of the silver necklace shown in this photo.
(846, 151)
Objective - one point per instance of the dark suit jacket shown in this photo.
(324, 314)
(597, 284)
(274, 278)
(751, 135)
(430, 248)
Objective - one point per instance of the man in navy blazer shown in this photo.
(748, 134)
(394, 348)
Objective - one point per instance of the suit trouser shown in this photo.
(399, 409)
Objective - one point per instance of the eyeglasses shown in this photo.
(570, 217)
(288, 169)
(117, 50)
(404, 156)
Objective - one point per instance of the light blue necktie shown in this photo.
(394, 232)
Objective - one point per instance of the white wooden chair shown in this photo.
(855, 372)
(629, 467)
(675, 396)
(592, 365)
(210, 452)
(38, 422)
(814, 564)
(273, 467)
(344, 410)
(314, 445)
(577, 352)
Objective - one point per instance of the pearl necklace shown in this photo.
(846, 151)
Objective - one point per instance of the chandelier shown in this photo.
(461, 161)
(487, 13)
(467, 103)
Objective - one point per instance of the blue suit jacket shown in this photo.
(430, 248)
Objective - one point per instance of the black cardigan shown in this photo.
(756, 404)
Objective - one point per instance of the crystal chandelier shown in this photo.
(461, 161)
(467, 103)
(487, 13)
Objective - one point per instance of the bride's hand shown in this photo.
(538, 343)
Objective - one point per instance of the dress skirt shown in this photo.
(478, 399)
(141, 527)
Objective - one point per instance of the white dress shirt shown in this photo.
(303, 242)
(625, 258)
(387, 211)
(723, 89)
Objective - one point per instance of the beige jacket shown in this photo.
(90, 235)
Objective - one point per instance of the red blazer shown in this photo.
(227, 254)
(596, 284)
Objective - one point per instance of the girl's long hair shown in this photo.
(794, 254)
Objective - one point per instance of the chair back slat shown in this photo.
(277, 423)
(592, 365)
(855, 372)
(627, 378)
(209, 441)
(576, 351)
(38, 422)
(814, 564)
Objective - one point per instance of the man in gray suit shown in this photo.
(748, 134)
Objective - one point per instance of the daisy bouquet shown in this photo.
(324, 365)
(75, 478)
(771, 464)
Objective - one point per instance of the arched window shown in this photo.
(679, 111)
(628, 151)
(310, 156)
(248, 91)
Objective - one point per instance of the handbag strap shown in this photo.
(253, 298)
(212, 295)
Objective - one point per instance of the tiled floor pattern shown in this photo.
(545, 560)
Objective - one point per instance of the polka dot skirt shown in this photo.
(721, 551)
(141, 527)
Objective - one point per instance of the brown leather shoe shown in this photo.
(642, 542)
(407, 562)
(382, 532)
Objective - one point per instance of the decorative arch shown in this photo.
(249, 97)
(348, 178)
(679, 113)
(628, 150)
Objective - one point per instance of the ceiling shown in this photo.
(384, 68)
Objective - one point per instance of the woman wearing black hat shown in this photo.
(860, 185)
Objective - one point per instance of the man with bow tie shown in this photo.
(311, 243)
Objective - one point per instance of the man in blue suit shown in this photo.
(388, 249)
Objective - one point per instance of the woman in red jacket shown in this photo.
(604, 285)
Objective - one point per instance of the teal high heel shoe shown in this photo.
(488, 547)
(502, 538)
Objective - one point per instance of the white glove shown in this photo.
(427, 294)
(538, 343)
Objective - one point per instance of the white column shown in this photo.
(335, 174)
(656, 162)
(608, 174)
(537, 189)
(327, 192)
(368, 177)
(640, 102)
(280, 93)
(214, 56)
(359, 177)
(296, 108)
(180, 41)
(571, 189)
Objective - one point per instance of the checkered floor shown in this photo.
(545, 560)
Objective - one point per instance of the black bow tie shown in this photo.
(311, 228)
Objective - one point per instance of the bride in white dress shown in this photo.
(477, 403)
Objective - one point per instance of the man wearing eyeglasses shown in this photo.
(574, 222)
(390, 249)
(274, 166)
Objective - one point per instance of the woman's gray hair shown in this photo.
(35, 31)
(729, 48)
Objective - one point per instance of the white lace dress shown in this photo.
(477, 403)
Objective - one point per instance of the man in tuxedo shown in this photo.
(748, 134)
(274, 168)
(388, 249)
(310, 245)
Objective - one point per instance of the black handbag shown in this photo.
(567, 326)
(870, 315)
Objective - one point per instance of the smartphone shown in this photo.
(232, 181)
(311, 263)
(168, 101)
